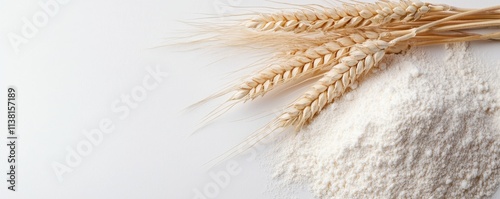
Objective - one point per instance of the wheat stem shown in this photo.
(494, 36)
(471, 25)
(456, 16)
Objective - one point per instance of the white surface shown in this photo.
(86, 57)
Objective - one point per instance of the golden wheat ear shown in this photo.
(348, 15)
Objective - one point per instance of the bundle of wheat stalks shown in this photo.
(338, 45)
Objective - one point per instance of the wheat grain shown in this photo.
(347, 16)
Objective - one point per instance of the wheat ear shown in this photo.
(300, 64)
(347, 16)
(361, 58)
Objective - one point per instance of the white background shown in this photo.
(89, 54)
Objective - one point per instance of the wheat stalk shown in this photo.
(347, 16)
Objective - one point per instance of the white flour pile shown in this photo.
(425, 127)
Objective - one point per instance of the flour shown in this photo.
(420, 127)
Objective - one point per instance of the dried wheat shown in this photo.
(361, 58)
(356, 58)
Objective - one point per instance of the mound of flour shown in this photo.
(419, 127)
